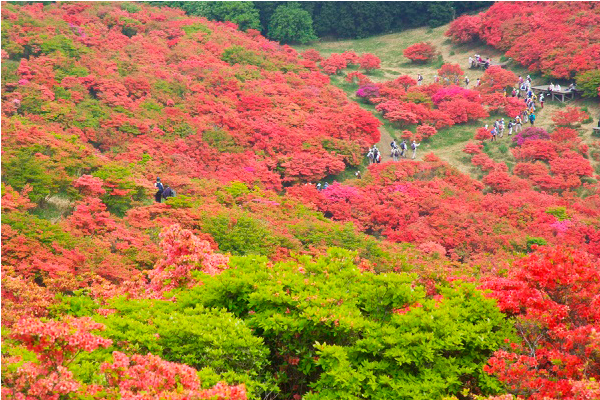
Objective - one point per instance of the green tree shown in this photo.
(242, 13)
(589, 82)
(291, 24)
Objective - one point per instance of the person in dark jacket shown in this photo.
(159, 186)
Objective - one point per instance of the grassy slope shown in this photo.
(448, 143)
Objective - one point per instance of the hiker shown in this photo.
(467, 82)
(414, 146)
(519, 124)
(470, 62)
(520, 80)
(510, 127)
(502, 128)
(542, 101)
(493, 132)
(403, 148)
(159, 186)
(325, 186)
(168, 192)
(319, 186)
(532, 118)
(419, 79)
(358, 175)
(478, 81)
(393, 144)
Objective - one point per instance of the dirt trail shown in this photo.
(384, 144)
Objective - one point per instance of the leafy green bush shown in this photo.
(23, 168)
(118, 178)
(241, 234)
(65, 45)
(180, 201)
(559, 212)
(39, 229)
(352, 334)
(240, 55)
(221, 140)
(534, 240)
(588, 83)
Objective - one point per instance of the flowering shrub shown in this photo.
(530, 133)
(450, 74)
(569, 117)
(420, 52)
(369, 62)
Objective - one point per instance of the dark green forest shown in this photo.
(302, 22)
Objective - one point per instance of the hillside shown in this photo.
(470, 272)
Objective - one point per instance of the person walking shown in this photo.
(403, 148)
(419, 79)
(160, 188)
(510, 127)
(414, 146)
(467, 82)
(542, 101)
(532, 118)
(519, 124)
(493, 132)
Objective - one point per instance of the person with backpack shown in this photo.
(414, 146)
(159, 186)
(419, 79)
(403, 148)
(493, 132)
(168, 192)
(532, 118)
(510, 127)
(519, 123)
(467, 82)
(542, 100)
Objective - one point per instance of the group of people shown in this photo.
(557, 88)
(477, 61)
(374, 155)
(399, 151)
(162, 191)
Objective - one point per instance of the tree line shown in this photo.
(303, 22)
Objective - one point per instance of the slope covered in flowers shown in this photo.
(191, 97)
(251, 283)
(558, 39)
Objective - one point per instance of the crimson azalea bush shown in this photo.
(420, 52)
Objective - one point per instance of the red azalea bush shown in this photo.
(569, 117)
(420, 52)
(450, 74)
(369, 62)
